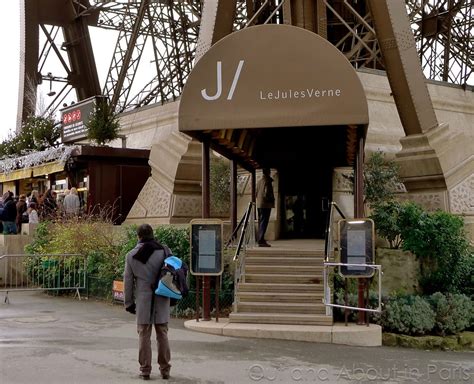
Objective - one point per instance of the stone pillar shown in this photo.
(173, 192)
(342, 190)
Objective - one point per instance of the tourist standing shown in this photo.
(142, 270)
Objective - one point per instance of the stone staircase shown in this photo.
(281, 286)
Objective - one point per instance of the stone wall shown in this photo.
(400, 270)
(172, 194)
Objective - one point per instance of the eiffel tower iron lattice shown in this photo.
(156, 41)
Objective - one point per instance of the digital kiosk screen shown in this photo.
(206, 247)
(356, 246)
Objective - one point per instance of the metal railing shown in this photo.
(327, 292)
(49, 272)
(329, 235)
(246, 238)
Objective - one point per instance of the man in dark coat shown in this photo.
(142, 270)
(9, 214)
(265, 203)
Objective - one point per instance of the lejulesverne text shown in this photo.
(299, 94)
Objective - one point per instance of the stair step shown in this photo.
(251, 252)
(279, 287)
(284, 269)
(283, 278)
(281, 297)
(293, 308)
(279, 318)
(265, 260)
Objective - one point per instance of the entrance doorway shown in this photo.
(302, 200)
(305, 159)
(302, 117)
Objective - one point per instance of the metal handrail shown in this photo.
(327, 291)
(246, 239)
(329, 238)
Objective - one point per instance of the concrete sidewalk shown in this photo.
(352, 334)
(49, 340)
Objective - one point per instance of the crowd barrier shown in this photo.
(49, 272)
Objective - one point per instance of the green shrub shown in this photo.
(37, 133)
(89, 237)
(410, 315)
(105, 249)
(386, 220)
(454, 313)
(176, 238)
(104, 124)
(220, 186)
(440, 242)
(381, 177)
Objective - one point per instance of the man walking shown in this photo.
(265, 203)
(142, 270)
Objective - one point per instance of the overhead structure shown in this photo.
(156, 42)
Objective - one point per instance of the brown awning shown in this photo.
(272, 76)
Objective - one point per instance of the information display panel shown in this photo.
(356, 245)
(206, 247)
(75, 118)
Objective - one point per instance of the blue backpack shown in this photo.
(172, 282)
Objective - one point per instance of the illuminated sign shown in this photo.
(74, 119)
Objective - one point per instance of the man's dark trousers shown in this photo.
(263, 219)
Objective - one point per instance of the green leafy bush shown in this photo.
(176, 238)
(381, 177)
(105, 248)
(439, 240)
(37, 133)
(454, 313)
(220, 186)
(104, 124)
(353, 301)
(415, 315)
(410, 315)
(89, 237)
(386, 217)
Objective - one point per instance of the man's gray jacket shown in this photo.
(139, 282)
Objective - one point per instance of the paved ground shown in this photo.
(53, 340)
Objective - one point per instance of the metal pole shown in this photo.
(359, 213)
(253, 180)
(206, 213)
(218, 283)
(198, 278)
(233, 195)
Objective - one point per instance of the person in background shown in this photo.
(265, 203)
(71, 203)
(9, 214)
(21, 208)
(33, 214)
(34, 197)
(60, 201)
(142, 269)
(49, 204)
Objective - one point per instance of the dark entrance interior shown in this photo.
(304, 158)
(301, 204)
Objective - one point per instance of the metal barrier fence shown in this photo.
(327, 291)
(50, 272)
